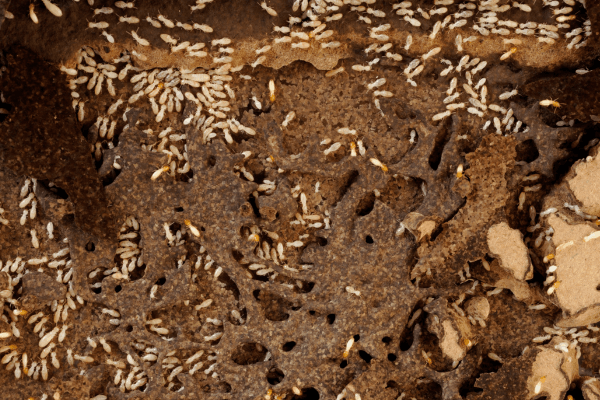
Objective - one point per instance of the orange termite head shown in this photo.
(187, 222)
(556, 284)
(549, 102)
(272, 90)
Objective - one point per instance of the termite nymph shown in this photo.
(379, 164)
(348, 347)
(159, 172)
(549, 102)
(34, 17)
(459, 171)
(52, 8)
(508, 53)
(193, 229)
(272, 90)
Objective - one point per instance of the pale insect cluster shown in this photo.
(127, 374)
(544, 238)
(166, 91)
(345, 137)
(174, 234)
(129, 264)
(273, 261)
(486, 18)
(182, 361)
(488, 22)
(28, 203)
(205, 262)
(213, 271)
(105, 129)
(577, 337)
(476, 91)
(209, 93)
(269, 249)
(278, 257)
(50, 325)
(301, 34)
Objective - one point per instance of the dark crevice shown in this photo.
(527, 151)
(307, 394)
(349, 181)
(275, 376)
(365, 356)
(252, 202)
(249, 353)
(487, 366)
(111, 176)
(288, 346)
(441, 139)
(366, 205)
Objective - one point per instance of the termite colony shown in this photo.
(50, 326)
(255, 258)
(129, 264)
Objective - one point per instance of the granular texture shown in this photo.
(319, 199)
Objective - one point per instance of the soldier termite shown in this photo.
(550, 102)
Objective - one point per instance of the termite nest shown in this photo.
(299, 199)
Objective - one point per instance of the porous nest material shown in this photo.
(301, 221)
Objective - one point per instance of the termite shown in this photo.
(139, 39)
(550, 102)
(508, 53)
(268, 9)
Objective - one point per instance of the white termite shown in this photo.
(32, 14)
(168, 23)
(441, 115)
(409, 41)
(153, 22)
(431, 53)
(139, 40)
(123, 4)
(98, 25)
(103, 10)
(508, 95)
(53, 8)
(289, 117)
(268, 9)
